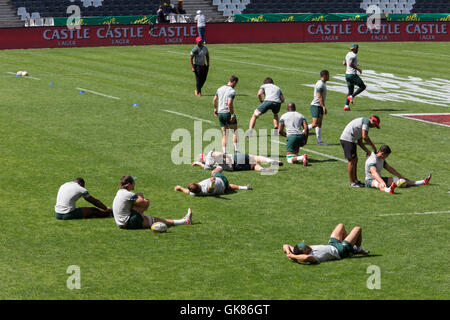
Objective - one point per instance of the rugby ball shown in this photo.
(159, 227)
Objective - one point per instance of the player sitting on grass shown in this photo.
(216, 185)
(234, 162)
(376, 162)
(129, 208)
(69, 193)
(341, 245)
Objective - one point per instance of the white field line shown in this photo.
(404, 115)
(98, 93)
(412, 213)
(253, 64)
(25, 76)
(187, 116)
(319, 153)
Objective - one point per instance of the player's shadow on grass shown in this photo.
(329, 144)
(382, 109)
(319, 161)
(360, 256)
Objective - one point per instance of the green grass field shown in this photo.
(51, 134)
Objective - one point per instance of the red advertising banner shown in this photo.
(127, 35)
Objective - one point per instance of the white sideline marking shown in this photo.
(319, 153)
(404, 115)
(254, 64)
(98, 93)
(25, 76)
(187, 116)
(412, 213)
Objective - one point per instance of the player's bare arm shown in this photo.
(322, 103)
(302, 258)
(362, 146)
(191, 60)
(305, 130)
(141, 202)
(261, 95)
(377, 177)
(354, 66)
(365, 136)
(393, 171)
(215, 102)
(231, 107)
(198, 163)
(180, 188)
(281, 131)
(96, 202)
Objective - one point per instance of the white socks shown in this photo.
(420, 183)
(310, 126)
(243, 188)
(319, 133)
(180, 222)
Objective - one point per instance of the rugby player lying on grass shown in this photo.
(340, 245)
(234, 162)
(215, 185)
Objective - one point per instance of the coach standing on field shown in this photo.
(199, 60)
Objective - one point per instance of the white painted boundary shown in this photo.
(319, 153)
(24, 77)
(254, 64)
(404, 115)
(98, 93)
(187, 116)
(412, 213)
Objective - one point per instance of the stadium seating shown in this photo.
(52, 8)
(348, 6)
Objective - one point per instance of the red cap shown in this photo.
(198, 39)
(376, 121)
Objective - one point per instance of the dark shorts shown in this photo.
(269, 105)
(344, 248)
(75, 214)
(349, 149)
(353, 79)
(135, 221)
(316, 111)
(368, 182)
(294, 142)
(225, 119)
(241, 162)
(223, 178)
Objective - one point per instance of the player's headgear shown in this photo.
(376, 121)
(300, 248)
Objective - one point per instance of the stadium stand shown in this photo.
(19, 12)
(338, 6)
